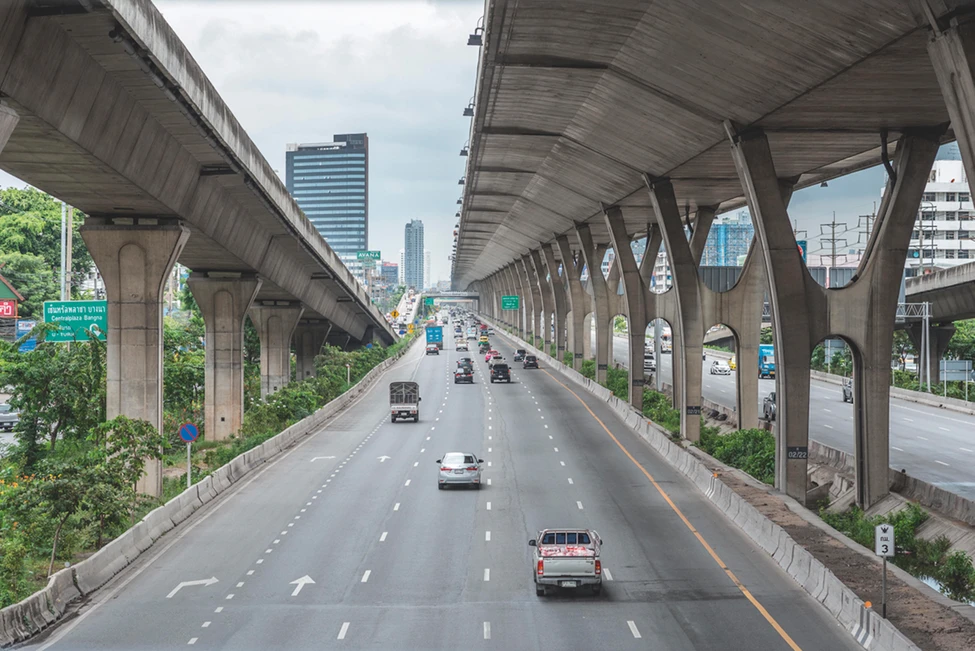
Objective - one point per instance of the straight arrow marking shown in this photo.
(300, 583)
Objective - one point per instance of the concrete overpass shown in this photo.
(102, 106)
(594, 128)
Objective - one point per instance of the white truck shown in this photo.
(404, 401)
(566, 558)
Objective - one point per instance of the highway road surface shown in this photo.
(345, 542)
(935, 445)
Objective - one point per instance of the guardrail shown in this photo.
(25, 619)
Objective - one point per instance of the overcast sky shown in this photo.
(400, 71)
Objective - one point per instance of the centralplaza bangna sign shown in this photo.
(78, 319)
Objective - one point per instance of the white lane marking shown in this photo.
(896, 448)
(314, 497)
(489, 464)
(941, 462)
(909, 420)
(539, 409)
(633, 629)
(489, 482)
(396, 506)
(562, 462)
(489, 449)
(250, 572)
(219, 609)
(944, 429)
(259, 561)
(303, 510)
(827, 410)
(433, 428)
(192, 640)
(365, 576)
(607, 575)
(964, 449)
(570, 480)
(579, 504)
(229, 596)
(922, 438)
(546, 427)
(550, 437)
(205, 625)
(407, 482)
(487, 574)
(428, 438)
(291, 524)
(487, 630)
(382, 538)
(556, 449)
(490, 427)
(268, 551)
(490, 437)
(416, 463)
(543, 418)
(422, 450)
(488, 506)
(487, 536)
(240, 584)
(827, 426)
(343, 631)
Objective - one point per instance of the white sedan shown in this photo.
(720, 368)
(459, 468)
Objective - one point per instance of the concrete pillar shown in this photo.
(557, 284)
(8, 122)
(134, 256)
(939, 336)
(635, 298)
(524, 300)
(686, 285)
(310, 335)
(580, 304)
(593, 256)
(545, 292)
(224, 302)
(275, 323)
(532, 294)
(952, 53)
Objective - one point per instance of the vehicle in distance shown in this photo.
(404, 401)
(489, 354)
(768, 406)
(847, 392)
(566, 558)
(766, 361)
(471, 334)
(733, 362)
(465, 361)
(459, 468)
(500, 373)
(460, 344)
(720, 368)
(8, 418)
(433, 349)
(649, 363)
(464, 374)
(519, 355)
(483, 339)
(530, 362)
(495, 360)
(435, 336)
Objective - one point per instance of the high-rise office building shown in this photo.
(402, 266)
(413, 258)
(427, 276)
(330, 182)
(390, 273)
(730, 237)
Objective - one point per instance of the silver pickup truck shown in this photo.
(566, 558)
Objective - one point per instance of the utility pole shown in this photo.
(835, 228)
(69, 241)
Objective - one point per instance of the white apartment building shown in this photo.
(944, 235)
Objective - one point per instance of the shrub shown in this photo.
(617, 381)
(750, 450)
(658, 408)
(589, 368)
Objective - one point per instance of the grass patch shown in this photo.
(750, 450)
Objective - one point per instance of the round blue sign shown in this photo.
(188, 432)
(402, 332)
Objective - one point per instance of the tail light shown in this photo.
(472, 468)
(599, 567)
(541, 567)
(445, 469)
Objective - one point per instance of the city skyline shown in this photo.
(413, 236)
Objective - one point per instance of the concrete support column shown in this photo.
(635, 298)
(224, 303)
(310, 335)
(952, 53)
(689, 313)
(514, 316)
(8, 122)
(939, 336)
(580, 304)
(524, 325)
(134, 257)
(557, 283)
(532, 294)
(545, 292)
(593, 256)
(275, 323)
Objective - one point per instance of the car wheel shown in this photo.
(597, 589)
(416, 419)
(394, 419)
(539, 590)
(441, 486)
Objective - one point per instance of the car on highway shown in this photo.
(490, 331)
(460, 344)
(464, 374)
(433, 349)
(500, 373)
(720, 368)
(465, 361)
(471, 334)
(519, 355)
(768, 407)
(459, 468)
(847, 390)
(404, 401)
(9, 418)
(649, 363)
(495, 359)
(566, 558)
(733, 362)
(530, 361)
(489, 354)
(483, 339)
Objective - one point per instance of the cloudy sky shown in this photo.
(400, 71)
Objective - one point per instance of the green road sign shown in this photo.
(428, 300)
(367, 255)
(77, 319)
(510, 302)
(368, 263)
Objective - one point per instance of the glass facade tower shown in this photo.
(330, 182)
(413, 257)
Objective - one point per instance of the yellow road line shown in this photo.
(717, 559)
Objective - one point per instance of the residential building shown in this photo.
(390, 273)
(730, 237)
(413, 259)
(402, 266)
(330, 182)
(945, 227)
(427, 276)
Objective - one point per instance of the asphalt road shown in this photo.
(934, 445)
(398, 564)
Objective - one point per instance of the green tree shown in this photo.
(33, 278)
(962, 344)
(766, 335)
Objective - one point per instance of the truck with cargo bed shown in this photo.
(566, 558)
(404, 401)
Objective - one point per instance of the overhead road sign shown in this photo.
(510, 302)
(368, 255)
(428, 300)
(79, 320)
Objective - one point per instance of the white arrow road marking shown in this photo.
(184, 584)
(383, 458)
(300, 583)
(317, 458)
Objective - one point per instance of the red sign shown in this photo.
(8, 308)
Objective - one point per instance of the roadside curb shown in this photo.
(29, 617)
(867, 627)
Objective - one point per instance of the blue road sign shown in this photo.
(188, 432)
(24, 326)
(402, 331)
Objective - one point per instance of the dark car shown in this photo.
(464, 374)
(500, 373)
(530, 361)
(465, 361)
(519, 355)
(848, 391)
(768, 407)
(433, 349)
